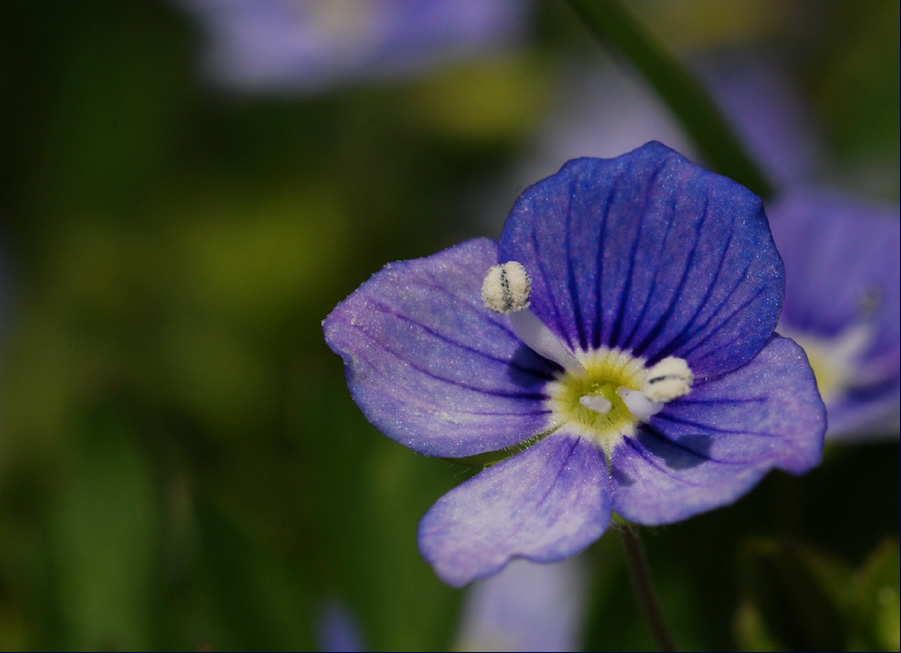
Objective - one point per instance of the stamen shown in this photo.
(542, 340)
(638, 403)
(506, 290)
(669, 379)
(597, 403)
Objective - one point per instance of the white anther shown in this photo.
(638, 403)
(669, 379)
(597, 403)
(507, 288)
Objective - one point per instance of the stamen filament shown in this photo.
(638, 403)
(542, 340)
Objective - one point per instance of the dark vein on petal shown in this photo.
(504, 361)
(647, 300)
(668, 313)
(687, 422)
(531, 396)
(636, 243)
(683, 401)
(685, 333)
(703, 340)
(700, 333)
(598, 336)
(560, 468)
(549, 288)
(571, 280)
(475, 307)
(649, 459)
(648, 428)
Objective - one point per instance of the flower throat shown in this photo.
(601, 394)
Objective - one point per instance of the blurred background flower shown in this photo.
(271, 46)
(843, 305)
(181, 466)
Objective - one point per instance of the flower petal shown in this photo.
(710, 447)
(843, 271)
(430, 366)
(546, 503)
(526, 607)
(651, 253)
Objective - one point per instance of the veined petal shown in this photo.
(546, 503)
(708, 448)
(430, 366)
(650, 253)
(843, 273)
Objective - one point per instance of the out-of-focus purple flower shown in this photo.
(615, 349)
(339, 630)
(778, 130)
(841, 255)
(264, 46)
(843, 303)
(526, 607)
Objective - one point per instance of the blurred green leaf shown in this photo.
(857, 83)
(254, 598)
(877, 607)
(797, 599)
(105, 528)
(784, 584)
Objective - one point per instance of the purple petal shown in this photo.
(651, 253)
(430, 366)
(710, 447)
(526, 607)
(842, 270)
(546, 503)
(768, 112)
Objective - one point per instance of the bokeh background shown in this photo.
(181, 464)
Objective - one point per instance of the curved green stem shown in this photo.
(644, 588)
(715, 139)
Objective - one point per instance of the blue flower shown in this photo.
(843, 303)
(834, 246)
(308, 45)
(635, 371)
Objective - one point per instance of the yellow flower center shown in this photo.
(574, 396)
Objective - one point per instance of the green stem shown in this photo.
(716, 141)
(644, 588)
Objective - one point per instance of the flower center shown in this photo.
(601, 394)
(837, 362)
(591, 403)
